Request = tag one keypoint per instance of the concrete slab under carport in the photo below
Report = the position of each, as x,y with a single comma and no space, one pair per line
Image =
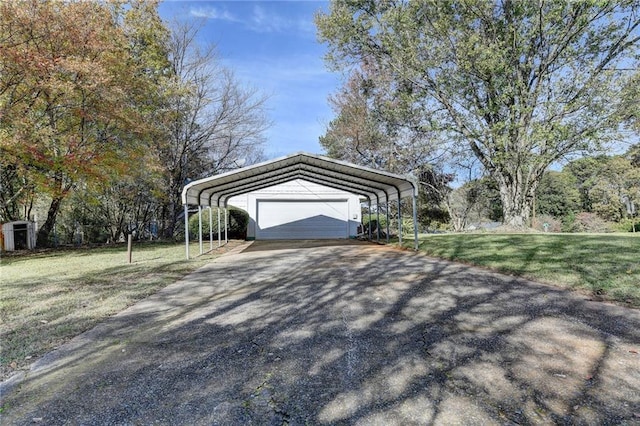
341,332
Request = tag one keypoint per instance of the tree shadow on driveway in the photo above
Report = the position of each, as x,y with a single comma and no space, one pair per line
344,334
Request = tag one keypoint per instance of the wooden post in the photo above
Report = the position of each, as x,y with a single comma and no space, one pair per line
129,238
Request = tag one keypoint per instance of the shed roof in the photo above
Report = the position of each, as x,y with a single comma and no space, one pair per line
374,184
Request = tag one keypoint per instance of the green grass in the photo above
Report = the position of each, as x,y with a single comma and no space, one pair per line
603,265
46,298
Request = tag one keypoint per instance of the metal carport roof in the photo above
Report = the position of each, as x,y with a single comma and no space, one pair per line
376,184
373,184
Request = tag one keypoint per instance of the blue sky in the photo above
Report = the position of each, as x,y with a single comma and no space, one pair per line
272,46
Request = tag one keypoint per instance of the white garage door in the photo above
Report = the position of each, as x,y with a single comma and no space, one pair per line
297,220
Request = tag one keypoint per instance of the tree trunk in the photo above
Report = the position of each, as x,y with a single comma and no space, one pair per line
516,203
170,219
171,208
45,230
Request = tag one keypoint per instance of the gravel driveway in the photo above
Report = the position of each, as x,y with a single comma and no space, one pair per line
343,333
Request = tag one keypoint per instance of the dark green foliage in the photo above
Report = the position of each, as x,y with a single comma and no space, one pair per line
557,194
585,171
238,222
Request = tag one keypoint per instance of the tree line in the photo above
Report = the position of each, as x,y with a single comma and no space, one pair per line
106,111
589,194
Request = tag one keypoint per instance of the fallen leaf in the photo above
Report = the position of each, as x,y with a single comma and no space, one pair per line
633,351
44,321
13,365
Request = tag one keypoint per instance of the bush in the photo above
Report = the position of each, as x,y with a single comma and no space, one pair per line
383,219
587,222
627,225
238,221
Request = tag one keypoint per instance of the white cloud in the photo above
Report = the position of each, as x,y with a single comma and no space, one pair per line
260,20
214,13
266,21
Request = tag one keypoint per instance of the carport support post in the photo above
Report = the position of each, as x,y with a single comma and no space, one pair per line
186,229
386,208
226,225
219,232
415,221
200,227
399,222
210,228
369,219
377,220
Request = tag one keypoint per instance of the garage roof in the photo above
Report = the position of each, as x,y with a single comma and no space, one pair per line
373,184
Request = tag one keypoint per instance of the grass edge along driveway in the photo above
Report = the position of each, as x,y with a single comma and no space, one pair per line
604,266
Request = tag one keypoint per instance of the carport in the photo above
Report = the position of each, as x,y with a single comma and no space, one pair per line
373,185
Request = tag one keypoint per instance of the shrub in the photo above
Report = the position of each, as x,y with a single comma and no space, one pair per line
627,225
590,222
238,221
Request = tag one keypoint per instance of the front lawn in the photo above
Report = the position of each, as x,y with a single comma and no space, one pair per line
46,298
606,266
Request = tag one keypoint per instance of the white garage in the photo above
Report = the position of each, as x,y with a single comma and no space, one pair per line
300,209
302,219
301,196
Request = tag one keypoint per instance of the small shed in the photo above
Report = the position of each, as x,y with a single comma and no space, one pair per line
19,235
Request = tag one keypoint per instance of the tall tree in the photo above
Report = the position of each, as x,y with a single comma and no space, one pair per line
586,171
378,128
521,84
211,121
65,87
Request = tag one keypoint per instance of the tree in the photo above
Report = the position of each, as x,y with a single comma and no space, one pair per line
66,86
633,154
629,109
210,122
607,185
379,130
618,183
521,84
586,171
376,128
354,135
558,194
